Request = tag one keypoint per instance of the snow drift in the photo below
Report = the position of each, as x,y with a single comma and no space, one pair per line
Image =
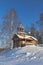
28,55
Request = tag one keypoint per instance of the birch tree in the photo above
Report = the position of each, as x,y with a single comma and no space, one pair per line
10,24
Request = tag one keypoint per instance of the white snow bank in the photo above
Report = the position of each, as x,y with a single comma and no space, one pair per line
28,55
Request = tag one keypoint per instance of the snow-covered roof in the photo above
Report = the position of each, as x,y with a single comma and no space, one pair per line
20,36
26,36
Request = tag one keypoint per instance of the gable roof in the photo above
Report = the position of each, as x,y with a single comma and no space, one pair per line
26,37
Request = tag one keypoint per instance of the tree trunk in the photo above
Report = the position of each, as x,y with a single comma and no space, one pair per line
11,43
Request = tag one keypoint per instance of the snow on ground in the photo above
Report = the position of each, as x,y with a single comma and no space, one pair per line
28,55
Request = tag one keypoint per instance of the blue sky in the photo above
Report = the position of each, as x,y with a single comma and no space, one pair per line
27,10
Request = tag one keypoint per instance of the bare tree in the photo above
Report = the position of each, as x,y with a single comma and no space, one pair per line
32,29
27,28
40,25
40,21
10,24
